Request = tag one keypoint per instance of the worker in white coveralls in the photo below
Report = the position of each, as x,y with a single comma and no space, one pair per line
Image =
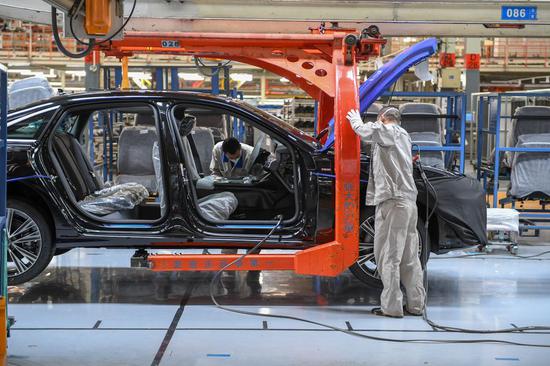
230,158
392,190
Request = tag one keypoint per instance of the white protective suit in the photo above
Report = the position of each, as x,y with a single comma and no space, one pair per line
392,189
221,166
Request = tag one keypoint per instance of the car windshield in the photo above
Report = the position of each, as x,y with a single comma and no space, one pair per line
296,132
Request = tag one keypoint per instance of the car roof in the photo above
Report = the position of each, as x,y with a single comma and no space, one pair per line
98,95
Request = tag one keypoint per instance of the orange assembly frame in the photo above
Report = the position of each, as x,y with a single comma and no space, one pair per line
323,64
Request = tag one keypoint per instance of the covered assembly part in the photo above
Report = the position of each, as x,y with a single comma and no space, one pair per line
218,206
502,219
29,90
530,170
111,199
460,204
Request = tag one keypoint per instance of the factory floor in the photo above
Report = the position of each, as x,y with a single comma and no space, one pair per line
90,308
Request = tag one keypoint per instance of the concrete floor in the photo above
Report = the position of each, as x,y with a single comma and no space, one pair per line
90,308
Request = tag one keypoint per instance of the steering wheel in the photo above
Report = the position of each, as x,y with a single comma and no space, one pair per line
271,166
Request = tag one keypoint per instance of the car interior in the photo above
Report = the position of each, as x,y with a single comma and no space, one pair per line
265,191
105,159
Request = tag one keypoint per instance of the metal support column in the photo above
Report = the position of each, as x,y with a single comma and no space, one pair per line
174,79
215,81
92,69
159,78
3,198
472,59
118,77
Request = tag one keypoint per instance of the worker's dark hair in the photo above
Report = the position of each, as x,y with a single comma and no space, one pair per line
231,145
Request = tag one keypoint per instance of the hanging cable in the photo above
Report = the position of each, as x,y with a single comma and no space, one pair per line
60,45
75,14
202,67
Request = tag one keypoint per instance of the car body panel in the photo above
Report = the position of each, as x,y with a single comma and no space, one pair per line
31,168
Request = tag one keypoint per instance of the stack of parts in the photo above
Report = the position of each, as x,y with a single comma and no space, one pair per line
502,219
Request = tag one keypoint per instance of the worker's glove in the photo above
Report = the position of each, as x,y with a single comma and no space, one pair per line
354,117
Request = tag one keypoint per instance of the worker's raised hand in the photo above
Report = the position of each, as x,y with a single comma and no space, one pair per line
354,116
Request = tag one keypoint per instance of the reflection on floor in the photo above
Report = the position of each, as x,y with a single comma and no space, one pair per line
90,308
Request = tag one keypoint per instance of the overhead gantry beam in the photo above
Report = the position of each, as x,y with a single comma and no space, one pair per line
394,18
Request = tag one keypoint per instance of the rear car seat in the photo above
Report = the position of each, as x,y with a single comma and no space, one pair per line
530,171
425,129
87,190
135,163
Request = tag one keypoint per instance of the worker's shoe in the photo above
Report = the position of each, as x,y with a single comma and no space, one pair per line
407,312
379,312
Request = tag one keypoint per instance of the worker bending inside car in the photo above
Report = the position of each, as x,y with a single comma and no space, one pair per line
230,158
392,190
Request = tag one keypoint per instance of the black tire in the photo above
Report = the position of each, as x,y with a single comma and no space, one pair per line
34,250
365,269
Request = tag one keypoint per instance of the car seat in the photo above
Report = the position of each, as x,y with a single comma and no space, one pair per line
134,162
425,127
530,171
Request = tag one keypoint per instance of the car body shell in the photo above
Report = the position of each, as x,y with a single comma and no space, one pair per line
31,177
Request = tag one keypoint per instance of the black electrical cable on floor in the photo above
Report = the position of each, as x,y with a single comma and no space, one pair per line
216,278
445,328
60,45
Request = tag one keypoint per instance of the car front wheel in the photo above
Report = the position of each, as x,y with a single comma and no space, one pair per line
30,246
365,268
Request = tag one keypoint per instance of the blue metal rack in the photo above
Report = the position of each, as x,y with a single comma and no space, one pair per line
490,109
455,121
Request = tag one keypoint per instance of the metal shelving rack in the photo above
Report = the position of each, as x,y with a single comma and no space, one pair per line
494,110
455,119
301,113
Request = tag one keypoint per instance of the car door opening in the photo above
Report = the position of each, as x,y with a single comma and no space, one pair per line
249,185
104,158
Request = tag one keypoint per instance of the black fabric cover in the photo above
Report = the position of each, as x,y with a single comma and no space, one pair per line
461,204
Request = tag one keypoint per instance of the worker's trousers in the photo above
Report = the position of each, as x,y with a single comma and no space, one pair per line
396,249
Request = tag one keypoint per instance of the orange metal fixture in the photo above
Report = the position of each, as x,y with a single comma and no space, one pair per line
98,17
324,65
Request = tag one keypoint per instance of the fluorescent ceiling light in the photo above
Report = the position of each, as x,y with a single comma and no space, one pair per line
241,77
190,76
19,63
284,80
19,71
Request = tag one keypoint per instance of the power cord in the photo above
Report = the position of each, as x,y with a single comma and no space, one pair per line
202,67
90,45
75,14
433,324
60,45
216,278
